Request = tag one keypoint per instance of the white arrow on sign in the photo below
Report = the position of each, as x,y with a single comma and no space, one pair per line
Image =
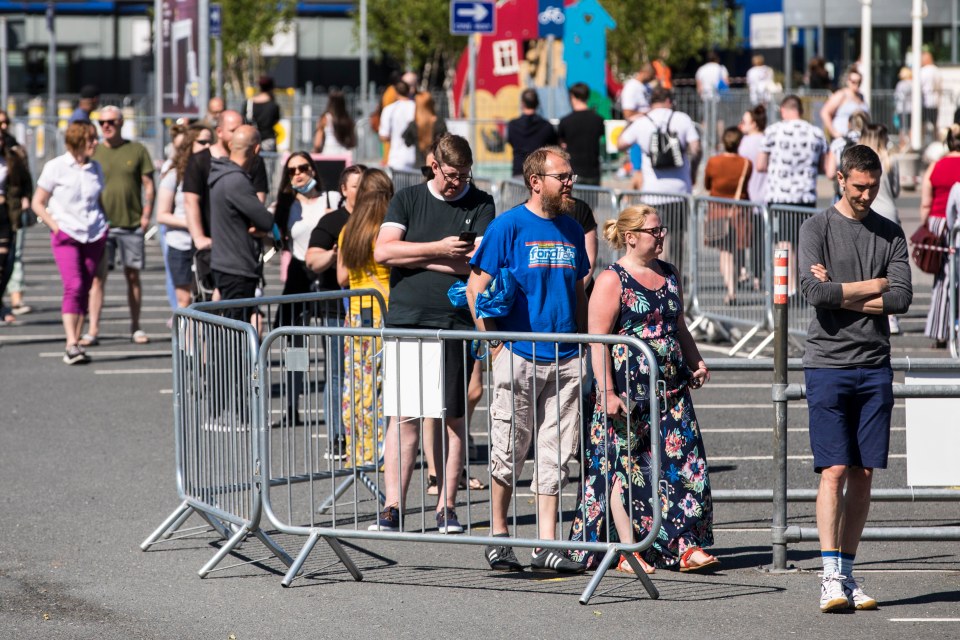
478,12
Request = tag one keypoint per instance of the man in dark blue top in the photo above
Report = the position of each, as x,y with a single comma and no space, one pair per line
536,385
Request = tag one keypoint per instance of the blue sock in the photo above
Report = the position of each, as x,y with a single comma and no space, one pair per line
831,561
846,564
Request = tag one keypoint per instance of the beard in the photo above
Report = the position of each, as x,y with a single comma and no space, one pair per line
556,203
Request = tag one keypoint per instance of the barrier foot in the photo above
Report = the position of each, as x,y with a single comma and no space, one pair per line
344,558
274,548
746,338
224,550
339,491
179,523
301,558
179,515
761,346
696,323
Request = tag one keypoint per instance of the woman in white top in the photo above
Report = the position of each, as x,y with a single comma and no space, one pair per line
172,214
844,102
336,131
67,200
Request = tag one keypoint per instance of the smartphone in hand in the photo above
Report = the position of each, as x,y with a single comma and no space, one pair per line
468,236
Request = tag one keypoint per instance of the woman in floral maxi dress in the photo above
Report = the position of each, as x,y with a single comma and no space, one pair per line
640,296
356,268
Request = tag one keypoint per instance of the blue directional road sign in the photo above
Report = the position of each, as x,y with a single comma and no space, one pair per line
473,17
216,21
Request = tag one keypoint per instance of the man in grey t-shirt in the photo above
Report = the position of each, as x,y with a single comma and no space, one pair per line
854,271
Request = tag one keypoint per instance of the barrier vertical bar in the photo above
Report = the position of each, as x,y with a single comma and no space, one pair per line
780,310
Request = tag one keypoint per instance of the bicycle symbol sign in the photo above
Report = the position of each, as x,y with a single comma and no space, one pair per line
551,15
551,18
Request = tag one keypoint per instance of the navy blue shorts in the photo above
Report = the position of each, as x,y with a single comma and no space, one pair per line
850,413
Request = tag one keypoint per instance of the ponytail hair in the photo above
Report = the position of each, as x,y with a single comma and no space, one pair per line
630,219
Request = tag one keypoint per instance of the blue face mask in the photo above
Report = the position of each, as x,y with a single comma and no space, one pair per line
305,188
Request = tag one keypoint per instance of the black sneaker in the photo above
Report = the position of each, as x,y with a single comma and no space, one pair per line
337,450
555,561
447,521
75,355
502,558
389,520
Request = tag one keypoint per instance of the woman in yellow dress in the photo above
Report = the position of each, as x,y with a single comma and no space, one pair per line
362,419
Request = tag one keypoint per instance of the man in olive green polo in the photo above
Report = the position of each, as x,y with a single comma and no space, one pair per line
128,203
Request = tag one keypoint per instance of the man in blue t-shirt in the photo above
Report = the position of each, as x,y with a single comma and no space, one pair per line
544,251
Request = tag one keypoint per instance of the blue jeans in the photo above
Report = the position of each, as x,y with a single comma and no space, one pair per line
334,384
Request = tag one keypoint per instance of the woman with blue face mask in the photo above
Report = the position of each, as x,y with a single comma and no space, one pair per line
301,203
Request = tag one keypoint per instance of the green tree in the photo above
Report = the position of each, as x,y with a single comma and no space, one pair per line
416,33
648,29
247,26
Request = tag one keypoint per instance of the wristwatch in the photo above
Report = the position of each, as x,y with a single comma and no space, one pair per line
493,344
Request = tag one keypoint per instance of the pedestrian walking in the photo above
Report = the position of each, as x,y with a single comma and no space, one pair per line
67,200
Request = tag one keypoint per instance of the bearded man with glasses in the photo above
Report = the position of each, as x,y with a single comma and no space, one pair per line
536,385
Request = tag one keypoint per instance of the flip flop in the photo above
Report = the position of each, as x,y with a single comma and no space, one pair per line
687,567
89,340
624,566
139,337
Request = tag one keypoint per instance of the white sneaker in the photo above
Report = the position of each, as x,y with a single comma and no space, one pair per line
858,599
832,595
894,325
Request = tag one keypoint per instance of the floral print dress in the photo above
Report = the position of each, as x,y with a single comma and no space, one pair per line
687,510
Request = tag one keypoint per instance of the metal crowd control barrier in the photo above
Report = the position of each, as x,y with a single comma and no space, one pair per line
490,186
675,213
730,276
216,380
782,392
512,192
215,413
403,178
293,509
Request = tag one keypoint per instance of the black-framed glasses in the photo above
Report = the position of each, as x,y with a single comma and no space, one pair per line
453,176
562,177
294,169
656,232
111,123
204,141
4,123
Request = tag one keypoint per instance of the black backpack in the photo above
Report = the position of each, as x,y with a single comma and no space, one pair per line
665,152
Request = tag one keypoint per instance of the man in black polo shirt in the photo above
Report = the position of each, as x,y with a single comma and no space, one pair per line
580,133
196,191
420,241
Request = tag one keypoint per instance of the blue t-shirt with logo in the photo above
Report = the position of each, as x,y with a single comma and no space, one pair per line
547,258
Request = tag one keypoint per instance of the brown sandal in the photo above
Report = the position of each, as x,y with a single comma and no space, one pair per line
686,566
624,566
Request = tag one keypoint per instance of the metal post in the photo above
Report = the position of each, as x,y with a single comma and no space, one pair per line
158,42
866,48
4,65
218,70
916,120
51,65
472,75
203,58
788,60
822,30
781,327
364,56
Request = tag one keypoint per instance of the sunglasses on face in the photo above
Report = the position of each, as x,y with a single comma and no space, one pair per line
108,123
4,123
294,169
656,232
204,141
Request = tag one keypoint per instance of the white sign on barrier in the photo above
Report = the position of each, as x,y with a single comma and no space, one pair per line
933,441
419,389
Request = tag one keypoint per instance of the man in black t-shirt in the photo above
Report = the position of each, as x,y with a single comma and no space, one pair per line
529,132
196,191
580,133
421,241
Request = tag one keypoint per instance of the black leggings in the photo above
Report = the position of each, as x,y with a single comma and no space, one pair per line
7,253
